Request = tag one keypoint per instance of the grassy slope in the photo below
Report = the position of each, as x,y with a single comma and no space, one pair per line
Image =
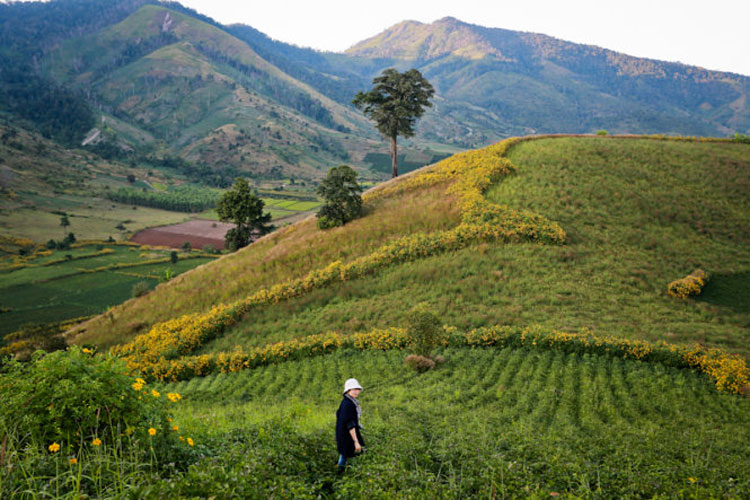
289,253
510,423
639,214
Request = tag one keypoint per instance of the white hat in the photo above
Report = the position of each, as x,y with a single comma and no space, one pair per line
351,384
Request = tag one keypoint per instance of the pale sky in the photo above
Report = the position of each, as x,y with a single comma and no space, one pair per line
714,35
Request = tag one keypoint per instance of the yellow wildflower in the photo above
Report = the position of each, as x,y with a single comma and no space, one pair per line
73,460
137,386
175,428
692,480
87,351
182,439
190,441
151,431
155,393
54,447
96,442
174,397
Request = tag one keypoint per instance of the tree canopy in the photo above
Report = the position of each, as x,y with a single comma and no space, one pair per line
342,195
244,208
395,103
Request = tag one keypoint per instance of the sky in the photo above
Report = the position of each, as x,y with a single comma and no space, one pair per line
711,34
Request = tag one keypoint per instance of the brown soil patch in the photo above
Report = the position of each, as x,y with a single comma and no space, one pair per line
198,232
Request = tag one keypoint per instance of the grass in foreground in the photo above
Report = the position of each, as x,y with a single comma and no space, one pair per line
509,423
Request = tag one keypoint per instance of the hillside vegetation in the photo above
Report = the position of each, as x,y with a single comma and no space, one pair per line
638,213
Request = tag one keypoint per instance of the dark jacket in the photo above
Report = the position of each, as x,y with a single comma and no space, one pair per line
346,418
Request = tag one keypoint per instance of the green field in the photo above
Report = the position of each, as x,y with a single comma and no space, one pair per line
489,423
48,292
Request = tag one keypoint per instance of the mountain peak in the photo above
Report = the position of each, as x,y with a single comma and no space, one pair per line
416,40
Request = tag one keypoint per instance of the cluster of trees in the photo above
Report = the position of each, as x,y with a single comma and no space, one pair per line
180,199
56,112
218,177
63,244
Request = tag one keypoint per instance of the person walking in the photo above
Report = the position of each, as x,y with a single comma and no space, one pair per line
349,440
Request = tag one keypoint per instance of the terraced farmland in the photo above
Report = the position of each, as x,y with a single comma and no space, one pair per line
489,423
55,287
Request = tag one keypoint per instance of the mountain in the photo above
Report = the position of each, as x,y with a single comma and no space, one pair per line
141,77
549,85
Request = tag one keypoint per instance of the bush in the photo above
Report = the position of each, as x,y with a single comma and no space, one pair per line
141,288
72,397
425,331
602,132
418,363
692,284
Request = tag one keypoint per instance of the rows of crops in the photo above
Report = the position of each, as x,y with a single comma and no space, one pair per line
508,422
43,293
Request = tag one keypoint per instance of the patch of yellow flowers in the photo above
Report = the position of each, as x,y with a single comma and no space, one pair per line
692,284
729,372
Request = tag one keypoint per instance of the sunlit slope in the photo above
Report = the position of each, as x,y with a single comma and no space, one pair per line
638,214
504,422
287,254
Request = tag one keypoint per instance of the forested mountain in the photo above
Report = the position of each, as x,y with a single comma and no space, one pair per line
157,78
550,85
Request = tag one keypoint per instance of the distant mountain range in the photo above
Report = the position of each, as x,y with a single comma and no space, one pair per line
158,78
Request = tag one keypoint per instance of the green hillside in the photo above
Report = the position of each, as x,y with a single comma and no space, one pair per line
638,214
197,91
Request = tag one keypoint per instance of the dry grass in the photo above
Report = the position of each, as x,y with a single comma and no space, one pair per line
287,254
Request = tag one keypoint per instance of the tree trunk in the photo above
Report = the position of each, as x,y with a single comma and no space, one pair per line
394,157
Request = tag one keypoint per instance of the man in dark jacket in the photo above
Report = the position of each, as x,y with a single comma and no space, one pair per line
348,437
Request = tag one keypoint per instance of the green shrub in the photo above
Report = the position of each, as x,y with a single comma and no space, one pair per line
743,138
425,331
141,288
342,195
602,132
73,397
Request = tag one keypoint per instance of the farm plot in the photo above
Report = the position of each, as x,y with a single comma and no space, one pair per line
197,232
488,423
54,288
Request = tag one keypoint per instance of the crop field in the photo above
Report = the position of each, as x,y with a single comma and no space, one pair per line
90,219
489,424
197,232
54,287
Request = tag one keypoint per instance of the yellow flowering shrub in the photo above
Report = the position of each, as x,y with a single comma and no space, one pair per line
730,373
692,284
